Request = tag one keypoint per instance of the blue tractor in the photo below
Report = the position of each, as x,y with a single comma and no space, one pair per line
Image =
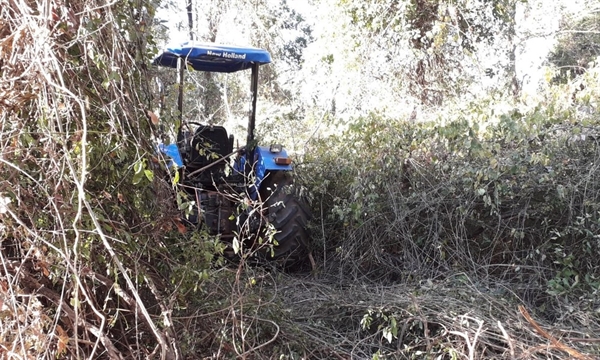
215,175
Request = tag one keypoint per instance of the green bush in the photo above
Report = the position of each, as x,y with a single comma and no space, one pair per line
508,194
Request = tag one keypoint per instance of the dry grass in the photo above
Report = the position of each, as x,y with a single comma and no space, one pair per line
319,317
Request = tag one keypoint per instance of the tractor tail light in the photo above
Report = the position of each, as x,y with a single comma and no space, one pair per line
283,160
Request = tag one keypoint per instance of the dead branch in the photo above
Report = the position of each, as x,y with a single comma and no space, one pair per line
555,343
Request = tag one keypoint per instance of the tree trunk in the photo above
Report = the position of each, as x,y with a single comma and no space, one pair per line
190,14
515,84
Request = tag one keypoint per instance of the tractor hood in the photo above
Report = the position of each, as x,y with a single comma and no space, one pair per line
213,57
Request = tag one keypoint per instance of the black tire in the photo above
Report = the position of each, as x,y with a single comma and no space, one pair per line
289,215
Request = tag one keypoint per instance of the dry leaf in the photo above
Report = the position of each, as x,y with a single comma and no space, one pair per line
153,117
44,267
63,340
166,226
180,227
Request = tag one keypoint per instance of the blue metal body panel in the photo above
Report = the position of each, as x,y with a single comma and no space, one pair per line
240,164
213,57
265,161
172,152
263,157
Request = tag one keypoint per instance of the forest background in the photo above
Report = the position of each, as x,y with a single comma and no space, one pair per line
448,151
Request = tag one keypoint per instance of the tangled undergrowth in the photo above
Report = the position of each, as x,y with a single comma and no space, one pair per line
78,244
474,237
506,195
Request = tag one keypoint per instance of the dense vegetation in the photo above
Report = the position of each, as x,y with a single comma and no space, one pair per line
459,220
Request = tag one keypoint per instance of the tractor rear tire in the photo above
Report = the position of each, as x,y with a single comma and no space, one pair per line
289,215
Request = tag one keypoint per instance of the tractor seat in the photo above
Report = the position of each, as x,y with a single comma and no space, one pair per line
209,143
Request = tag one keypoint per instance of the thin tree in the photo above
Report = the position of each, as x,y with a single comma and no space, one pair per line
190,14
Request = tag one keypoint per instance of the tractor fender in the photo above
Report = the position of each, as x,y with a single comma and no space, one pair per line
265,161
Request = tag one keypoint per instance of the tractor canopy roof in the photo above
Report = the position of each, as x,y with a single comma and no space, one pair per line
213,57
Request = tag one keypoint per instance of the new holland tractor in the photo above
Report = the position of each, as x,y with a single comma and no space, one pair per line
243,195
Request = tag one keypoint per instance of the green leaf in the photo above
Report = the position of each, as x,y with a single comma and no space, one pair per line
137,167
74,302
137,178
493,163
236,245
560,189
387,334
149,175
365,322
394,327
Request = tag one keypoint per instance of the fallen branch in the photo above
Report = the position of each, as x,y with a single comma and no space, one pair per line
508,340
555,343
